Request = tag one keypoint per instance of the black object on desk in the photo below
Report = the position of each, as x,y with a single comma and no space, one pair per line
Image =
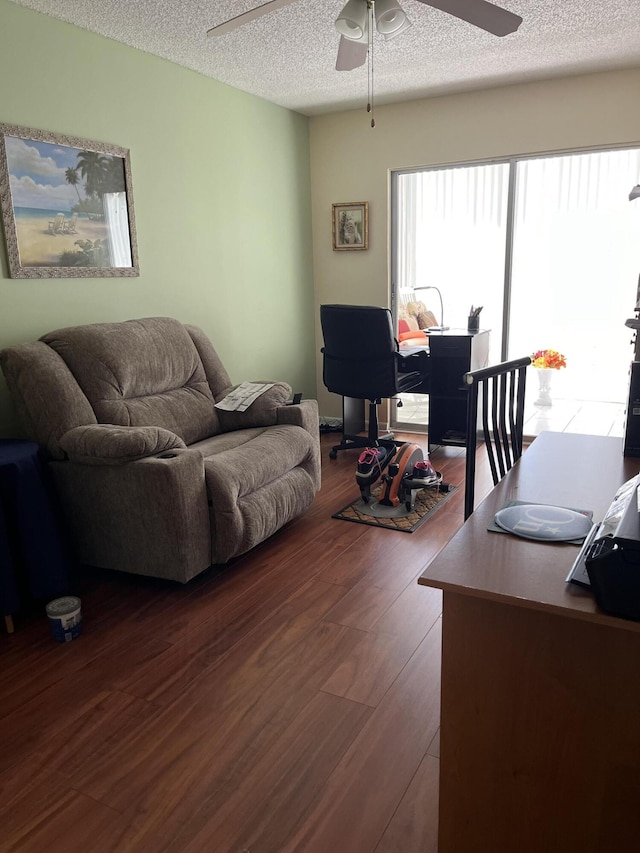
33,556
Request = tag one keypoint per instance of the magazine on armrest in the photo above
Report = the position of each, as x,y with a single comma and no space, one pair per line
243,396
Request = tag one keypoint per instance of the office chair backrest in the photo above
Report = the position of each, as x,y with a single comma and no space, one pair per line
501,389
360,351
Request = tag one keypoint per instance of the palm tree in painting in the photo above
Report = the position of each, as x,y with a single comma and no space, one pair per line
72,178
93,167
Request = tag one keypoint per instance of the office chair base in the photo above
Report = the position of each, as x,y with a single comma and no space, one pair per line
355,442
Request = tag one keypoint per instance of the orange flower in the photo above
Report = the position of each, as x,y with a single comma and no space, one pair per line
548,359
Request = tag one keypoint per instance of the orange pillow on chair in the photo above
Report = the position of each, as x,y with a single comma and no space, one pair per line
419,336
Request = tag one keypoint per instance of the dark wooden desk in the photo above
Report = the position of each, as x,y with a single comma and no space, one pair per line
452,354
540,732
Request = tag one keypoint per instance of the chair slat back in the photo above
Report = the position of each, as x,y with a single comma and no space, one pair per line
502,389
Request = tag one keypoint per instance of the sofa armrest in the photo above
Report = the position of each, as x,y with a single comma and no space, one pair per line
108,444
262,412
304,414
149,516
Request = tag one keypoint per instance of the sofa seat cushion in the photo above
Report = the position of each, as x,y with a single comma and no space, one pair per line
257,480
226,441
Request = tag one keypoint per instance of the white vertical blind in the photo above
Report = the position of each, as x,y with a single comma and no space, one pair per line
576,259
451,234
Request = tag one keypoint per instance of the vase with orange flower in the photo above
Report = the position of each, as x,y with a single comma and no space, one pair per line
546,361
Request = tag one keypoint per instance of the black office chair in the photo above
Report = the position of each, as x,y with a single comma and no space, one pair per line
361,360
501,388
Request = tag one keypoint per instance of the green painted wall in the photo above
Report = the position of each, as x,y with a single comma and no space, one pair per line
222,200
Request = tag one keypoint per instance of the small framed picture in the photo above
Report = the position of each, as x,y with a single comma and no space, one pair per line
350,226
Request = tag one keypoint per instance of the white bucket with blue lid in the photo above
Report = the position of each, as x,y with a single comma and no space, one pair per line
65,618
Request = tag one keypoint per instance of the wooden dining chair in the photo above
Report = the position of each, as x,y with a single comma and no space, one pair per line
499,391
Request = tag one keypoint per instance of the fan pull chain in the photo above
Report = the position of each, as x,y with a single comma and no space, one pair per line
370,65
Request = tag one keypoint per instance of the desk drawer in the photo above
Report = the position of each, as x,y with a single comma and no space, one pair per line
453,347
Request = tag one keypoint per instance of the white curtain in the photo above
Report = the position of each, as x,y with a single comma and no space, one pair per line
576,259
451,232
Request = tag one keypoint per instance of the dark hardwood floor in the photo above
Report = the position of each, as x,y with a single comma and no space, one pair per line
289,702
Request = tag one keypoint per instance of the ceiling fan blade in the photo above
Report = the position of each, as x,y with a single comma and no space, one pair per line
251,15
351,54
487,16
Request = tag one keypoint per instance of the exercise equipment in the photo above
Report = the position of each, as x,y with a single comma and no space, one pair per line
403,470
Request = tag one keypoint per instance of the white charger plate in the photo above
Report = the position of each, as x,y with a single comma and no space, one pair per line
543,523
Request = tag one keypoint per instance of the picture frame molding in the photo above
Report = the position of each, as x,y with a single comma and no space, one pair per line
16,268
362,207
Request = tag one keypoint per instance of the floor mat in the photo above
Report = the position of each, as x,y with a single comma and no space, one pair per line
428,501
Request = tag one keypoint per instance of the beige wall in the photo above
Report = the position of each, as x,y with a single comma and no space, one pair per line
352,162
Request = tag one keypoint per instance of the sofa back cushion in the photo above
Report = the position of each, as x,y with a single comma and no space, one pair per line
140,373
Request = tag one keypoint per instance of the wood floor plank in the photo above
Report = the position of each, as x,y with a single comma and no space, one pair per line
86,741
412,613
362,606
434,746
161,784
45,815
195,759
367,674
191,662
267,807
414,826
351,565
67,700
354,811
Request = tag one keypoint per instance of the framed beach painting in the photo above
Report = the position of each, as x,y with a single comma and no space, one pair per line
66,205
350,226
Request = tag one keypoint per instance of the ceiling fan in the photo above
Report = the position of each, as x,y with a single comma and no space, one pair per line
390,20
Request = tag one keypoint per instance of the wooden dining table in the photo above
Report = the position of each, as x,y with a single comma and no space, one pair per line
540,703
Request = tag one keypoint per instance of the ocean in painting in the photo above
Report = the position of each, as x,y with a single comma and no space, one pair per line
40,213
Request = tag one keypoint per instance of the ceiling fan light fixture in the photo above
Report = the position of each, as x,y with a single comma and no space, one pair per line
405,26
352,21
390,18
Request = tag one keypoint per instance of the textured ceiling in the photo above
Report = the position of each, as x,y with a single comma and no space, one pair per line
288,56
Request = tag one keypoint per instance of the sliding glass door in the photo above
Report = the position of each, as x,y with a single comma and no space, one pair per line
449,241
549,247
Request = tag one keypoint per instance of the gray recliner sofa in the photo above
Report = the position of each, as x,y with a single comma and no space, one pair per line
153,478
